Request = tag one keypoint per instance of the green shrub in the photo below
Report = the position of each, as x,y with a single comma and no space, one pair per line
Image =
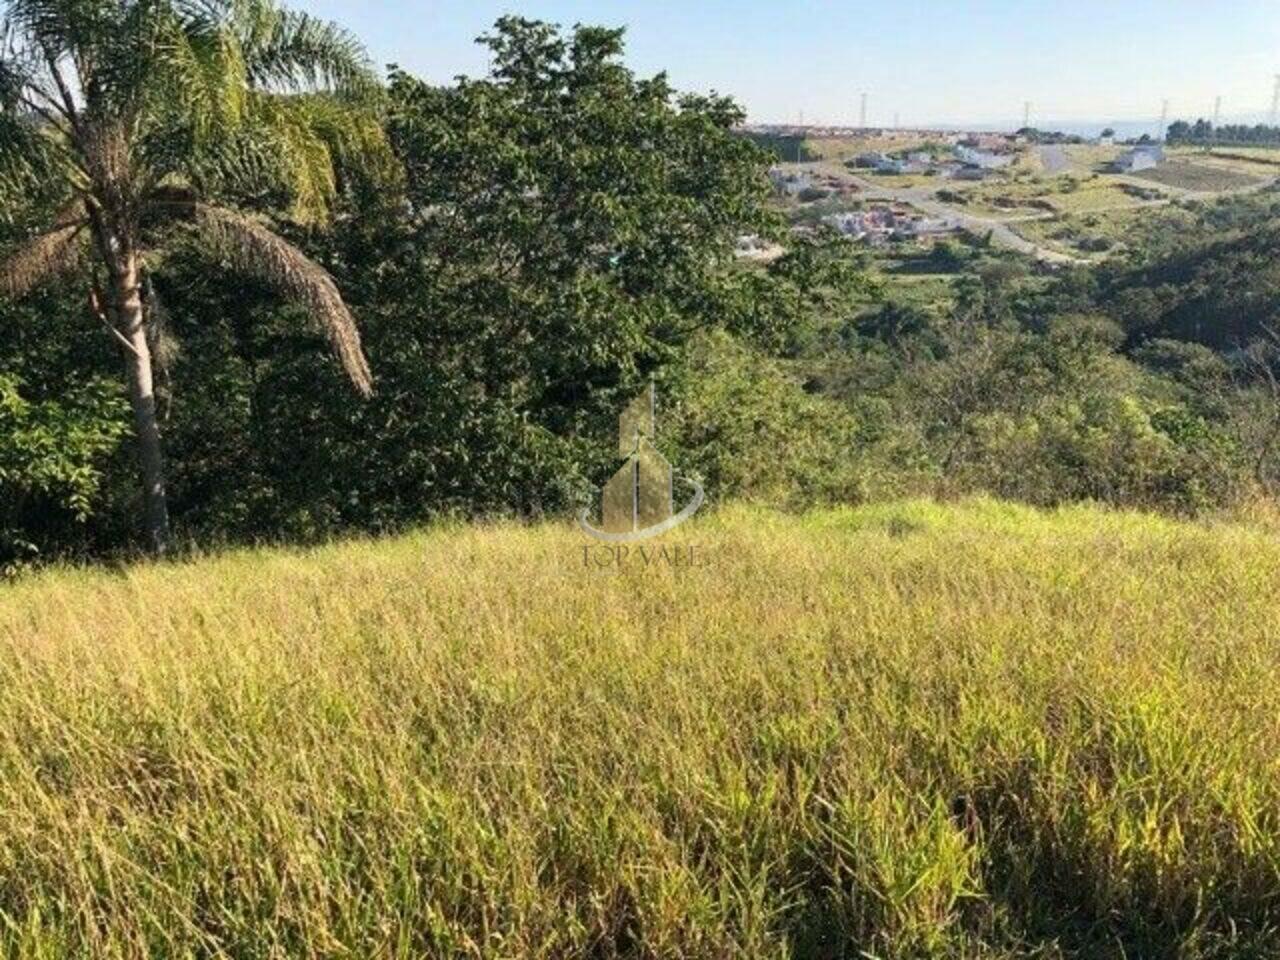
747,427
52,454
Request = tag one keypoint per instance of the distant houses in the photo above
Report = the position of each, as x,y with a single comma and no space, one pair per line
918,162
985,159
988,142
790,182
1142,157
879,224
962,162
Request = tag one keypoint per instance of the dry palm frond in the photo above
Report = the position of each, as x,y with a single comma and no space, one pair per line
165,347
260,253
45,256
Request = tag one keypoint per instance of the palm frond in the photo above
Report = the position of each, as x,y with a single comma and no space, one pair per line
291,152
285,140
305,143
288,50
26,158
63,26
45,256
167,60
33,137
259,252
199,70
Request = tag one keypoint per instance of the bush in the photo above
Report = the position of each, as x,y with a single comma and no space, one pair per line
52,454
739,421
1106,448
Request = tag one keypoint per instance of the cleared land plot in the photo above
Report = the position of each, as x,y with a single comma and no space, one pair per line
1251,158
1089,158
1097,233
1045,197
1093,195
1200,177
896,181
843,148
922,289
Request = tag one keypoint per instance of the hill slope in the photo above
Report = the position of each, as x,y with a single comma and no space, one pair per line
966,731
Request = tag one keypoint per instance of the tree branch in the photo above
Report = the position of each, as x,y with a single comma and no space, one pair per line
69,103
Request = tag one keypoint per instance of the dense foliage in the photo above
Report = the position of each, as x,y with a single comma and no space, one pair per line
543,242
524,251
1205,132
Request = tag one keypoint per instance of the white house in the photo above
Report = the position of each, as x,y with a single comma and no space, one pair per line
1142,157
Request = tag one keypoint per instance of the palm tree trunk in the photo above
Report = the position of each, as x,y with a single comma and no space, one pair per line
129,317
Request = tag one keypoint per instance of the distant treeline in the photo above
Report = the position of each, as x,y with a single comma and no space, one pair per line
1238,134
1032,135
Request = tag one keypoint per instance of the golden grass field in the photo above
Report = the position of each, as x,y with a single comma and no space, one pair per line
972,730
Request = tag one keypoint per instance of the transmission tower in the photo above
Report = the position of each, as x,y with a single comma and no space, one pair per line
1275,102
862,115
1026,115
1164,120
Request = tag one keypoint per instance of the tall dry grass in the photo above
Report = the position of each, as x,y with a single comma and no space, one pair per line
914,730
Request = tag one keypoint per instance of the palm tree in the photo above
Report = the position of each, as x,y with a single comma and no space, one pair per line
139,121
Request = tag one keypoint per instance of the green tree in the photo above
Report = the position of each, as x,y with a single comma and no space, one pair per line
123,120
51,454
566,228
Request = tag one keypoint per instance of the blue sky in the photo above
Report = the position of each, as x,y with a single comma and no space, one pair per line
930,62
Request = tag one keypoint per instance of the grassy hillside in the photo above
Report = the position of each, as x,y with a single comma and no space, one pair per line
916,730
